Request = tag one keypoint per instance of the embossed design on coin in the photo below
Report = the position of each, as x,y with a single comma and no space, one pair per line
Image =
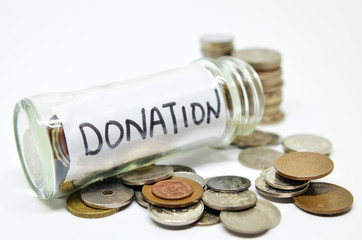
270,210
325,199
228,183
76,207
172,189
264,189
230,201
209,217
107,194
192,176
192,199
250,221
307,143
272,178
303,165
176,216
147,175
258,157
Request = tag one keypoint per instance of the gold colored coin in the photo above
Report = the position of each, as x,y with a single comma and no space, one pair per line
325,199
275,118
76,207
265,75
303,165
184,202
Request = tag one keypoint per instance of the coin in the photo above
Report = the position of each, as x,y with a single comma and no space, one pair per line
195,196
258,157
256,138
107,194
265,75
325,199
172,189
270,210
76,207
228,183
260,59
276,139
230,201
192,176
182,168
209,217
303,165
273,88
275,118
147,175
250,221
307,143
216,45
176,216
140,200
273,179
264,189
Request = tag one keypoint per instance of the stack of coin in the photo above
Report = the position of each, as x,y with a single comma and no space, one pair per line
266,63
216,45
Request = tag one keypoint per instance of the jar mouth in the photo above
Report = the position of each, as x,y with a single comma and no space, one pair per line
34,150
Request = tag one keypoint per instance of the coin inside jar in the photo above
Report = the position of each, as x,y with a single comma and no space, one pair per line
172,189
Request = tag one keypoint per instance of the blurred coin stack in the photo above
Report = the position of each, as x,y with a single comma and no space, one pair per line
267,63
216,45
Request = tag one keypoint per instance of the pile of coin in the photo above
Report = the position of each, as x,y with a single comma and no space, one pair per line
176,196
216,45
290,175
266,63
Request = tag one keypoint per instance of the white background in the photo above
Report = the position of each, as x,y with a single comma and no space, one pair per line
48,46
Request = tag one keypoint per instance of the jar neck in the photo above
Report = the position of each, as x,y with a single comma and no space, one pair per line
243,94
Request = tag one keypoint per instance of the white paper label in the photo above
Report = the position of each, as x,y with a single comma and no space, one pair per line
133,119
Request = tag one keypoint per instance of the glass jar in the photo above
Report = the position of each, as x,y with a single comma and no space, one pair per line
68,140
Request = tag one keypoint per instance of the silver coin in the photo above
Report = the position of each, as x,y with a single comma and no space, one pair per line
182,168
228,183
140,200
147,175
176,216
259,157
229,201
273,179
264,189
251,221
307,143
209,217
107,194
270,210
197,178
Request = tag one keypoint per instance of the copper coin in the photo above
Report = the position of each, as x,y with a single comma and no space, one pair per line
303,165
325,199
172,189
192,199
